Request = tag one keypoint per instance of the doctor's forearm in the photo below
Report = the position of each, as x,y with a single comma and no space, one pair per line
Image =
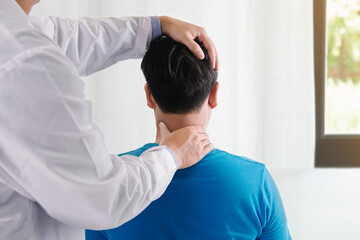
89,201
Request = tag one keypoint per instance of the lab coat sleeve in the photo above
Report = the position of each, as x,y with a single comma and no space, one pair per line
95,44
53,154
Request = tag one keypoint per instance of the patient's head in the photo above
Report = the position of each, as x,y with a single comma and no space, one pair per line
180,88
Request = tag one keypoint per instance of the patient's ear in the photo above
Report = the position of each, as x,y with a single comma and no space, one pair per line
213,96
149,98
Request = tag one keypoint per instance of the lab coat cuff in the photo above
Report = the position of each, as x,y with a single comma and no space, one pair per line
143,37
174,157
155,27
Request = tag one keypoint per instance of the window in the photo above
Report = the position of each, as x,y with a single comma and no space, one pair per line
337,82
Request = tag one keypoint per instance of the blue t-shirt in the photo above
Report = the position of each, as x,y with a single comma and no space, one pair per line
222,197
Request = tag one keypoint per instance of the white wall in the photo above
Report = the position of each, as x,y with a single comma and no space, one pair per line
320,203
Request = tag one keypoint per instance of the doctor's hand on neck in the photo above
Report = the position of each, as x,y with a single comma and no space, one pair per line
27,5
189,144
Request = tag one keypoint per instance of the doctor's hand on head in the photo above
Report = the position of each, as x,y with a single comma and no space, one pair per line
189,144
186,33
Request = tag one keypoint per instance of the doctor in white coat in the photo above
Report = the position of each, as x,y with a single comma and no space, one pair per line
56,175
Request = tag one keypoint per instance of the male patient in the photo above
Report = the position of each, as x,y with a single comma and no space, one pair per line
223,196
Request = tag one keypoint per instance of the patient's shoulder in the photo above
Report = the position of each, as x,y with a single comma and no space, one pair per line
224,158
222,172
231,167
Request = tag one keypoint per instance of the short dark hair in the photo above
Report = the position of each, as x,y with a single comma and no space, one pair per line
177,79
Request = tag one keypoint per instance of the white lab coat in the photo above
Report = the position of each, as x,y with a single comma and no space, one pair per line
56,175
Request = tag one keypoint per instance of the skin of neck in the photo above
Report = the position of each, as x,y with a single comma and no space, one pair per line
27,5
177,121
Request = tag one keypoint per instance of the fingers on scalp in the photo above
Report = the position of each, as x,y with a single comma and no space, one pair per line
208,44
194,47
198,52
210,47
216,61
213,57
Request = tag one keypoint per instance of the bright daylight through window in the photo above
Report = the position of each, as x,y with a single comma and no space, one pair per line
342,94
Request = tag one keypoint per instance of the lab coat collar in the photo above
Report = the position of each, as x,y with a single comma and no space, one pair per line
12,14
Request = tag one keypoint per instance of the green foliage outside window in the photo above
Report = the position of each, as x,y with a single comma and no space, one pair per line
343,40
342,103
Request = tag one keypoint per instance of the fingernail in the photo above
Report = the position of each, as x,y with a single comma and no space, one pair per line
161,124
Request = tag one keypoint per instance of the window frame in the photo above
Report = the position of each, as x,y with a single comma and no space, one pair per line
332,150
